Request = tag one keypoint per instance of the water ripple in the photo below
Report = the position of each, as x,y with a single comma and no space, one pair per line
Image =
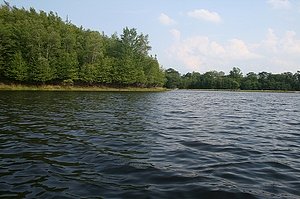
178,144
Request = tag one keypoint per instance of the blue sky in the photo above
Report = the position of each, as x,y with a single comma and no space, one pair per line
198,35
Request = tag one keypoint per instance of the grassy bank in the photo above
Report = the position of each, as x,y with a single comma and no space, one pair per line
20,87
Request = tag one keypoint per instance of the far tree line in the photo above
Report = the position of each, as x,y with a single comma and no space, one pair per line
233,81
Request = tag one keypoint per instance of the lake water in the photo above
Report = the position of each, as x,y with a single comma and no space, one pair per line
177,144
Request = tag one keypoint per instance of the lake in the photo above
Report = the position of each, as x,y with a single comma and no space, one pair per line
177,144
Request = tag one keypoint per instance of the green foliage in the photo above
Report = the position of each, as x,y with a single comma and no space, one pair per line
67,66
88,73
41,71
296,82
17,69
236,74
250,82
154,75
234,81
38,47
173,79
134,42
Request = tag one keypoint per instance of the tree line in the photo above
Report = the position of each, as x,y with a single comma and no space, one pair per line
233,81
38,47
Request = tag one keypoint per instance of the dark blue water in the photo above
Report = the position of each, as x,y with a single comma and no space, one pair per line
178,144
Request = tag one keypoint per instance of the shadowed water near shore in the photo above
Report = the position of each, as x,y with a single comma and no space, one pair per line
178,144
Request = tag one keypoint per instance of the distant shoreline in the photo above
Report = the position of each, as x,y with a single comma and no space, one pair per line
246,91
21,87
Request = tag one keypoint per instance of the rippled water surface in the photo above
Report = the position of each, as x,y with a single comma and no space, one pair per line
178,144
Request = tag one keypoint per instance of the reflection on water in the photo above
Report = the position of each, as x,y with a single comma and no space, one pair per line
179,144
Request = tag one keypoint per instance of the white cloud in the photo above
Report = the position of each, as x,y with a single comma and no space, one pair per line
280,4
218,49
237,49
166,20
288,44
271,41
206,15
272,54
175,34
200,52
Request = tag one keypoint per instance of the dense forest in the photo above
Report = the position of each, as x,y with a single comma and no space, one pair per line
39,48
234,80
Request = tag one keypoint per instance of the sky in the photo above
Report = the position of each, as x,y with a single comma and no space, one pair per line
197,35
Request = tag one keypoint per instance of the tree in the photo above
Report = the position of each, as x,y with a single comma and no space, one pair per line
154,76
250,82
7,42
18,68
264,80
134,50
210,79
236,73
67,67
41,71
173,79
88,73
93,47
137,43
296,85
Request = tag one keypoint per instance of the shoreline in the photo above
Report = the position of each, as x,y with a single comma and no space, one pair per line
245,91
20,87
49,87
